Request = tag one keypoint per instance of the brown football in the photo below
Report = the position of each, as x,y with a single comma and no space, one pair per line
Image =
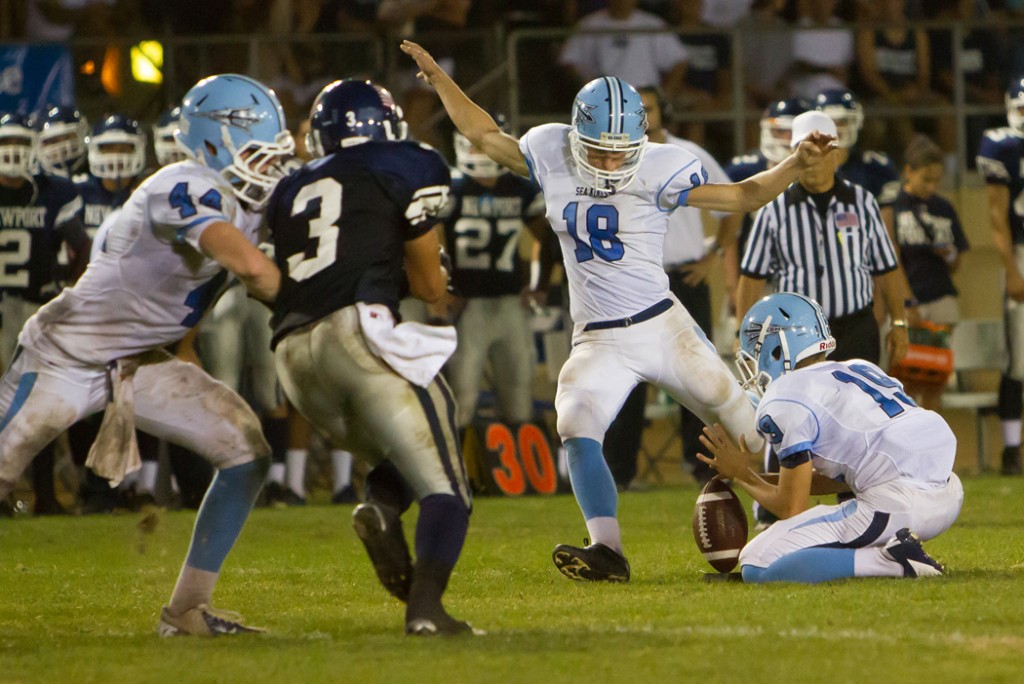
719,525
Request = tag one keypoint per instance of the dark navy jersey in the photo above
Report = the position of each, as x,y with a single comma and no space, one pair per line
924,229
482,228
98,202
34,223
874,172
740,168
339,227
1001,161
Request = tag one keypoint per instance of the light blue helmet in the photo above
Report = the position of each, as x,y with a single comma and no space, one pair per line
608,116
235,125
777,333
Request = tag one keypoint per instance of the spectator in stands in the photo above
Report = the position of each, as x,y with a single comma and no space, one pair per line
637,58
767,54
894,65
930,241
708,83
822,51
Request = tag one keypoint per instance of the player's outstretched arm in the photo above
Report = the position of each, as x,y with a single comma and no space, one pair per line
760,189
472,121
226,245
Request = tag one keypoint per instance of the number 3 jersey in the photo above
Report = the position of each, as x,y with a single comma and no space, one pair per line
340,225
612,242
482,229
858,425
151,283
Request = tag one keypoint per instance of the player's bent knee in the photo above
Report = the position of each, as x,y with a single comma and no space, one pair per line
579,418
753,574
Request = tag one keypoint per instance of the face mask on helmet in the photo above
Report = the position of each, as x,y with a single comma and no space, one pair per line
235,126
165,145
62,134
777,128
351,112
472,162
117,149
609,126
17,147
1015,105
847,113
777,333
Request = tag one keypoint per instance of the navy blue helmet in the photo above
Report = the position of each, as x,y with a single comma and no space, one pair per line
117,148
842,106
62,132
165,145
350,112
1015,104
777,127
17,145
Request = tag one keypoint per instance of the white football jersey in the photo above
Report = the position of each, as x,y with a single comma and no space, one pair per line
858,424
150,283
611,242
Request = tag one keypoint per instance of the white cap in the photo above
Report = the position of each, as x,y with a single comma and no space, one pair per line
808,122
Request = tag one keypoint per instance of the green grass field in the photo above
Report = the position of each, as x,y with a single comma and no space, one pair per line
79,599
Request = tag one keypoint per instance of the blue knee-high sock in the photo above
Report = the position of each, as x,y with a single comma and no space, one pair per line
808,566
223,512
592,481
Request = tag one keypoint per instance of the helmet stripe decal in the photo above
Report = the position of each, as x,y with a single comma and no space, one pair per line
614,104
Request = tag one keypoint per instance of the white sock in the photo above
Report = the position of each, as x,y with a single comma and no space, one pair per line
871,562
604,529
341,462
174,485
1011,433
296,460
194,588
129,481
147,476
563,464
276,473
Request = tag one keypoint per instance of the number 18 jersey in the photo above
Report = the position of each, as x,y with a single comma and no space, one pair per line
858,425
151,283
612,242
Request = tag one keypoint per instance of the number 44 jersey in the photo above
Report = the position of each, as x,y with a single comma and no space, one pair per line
612,242
340,225
858,426
151,283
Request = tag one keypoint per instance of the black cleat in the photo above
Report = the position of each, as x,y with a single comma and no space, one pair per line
345,495
594,563
1011,461
440,625
905,548
379,527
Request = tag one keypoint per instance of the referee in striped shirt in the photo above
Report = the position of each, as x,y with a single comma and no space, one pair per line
824,238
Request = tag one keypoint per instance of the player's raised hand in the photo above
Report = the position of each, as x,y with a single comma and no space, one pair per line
429,70
815,147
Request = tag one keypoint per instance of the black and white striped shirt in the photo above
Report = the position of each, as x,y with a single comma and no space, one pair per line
831,261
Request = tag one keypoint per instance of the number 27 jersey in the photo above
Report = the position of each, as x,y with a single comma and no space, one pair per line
612,243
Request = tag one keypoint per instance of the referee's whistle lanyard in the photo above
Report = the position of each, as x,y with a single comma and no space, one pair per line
824,223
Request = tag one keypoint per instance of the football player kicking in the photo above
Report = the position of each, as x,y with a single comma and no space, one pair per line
609,194
353,232
175,241
836,426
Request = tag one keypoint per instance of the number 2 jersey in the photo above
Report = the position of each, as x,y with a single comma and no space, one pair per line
1001,162
612,242
340,224
35,220
858,426
151,283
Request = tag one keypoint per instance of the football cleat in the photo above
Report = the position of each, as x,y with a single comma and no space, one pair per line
379,527
594,563
440,625
1011,461
345,495
905,548
203,621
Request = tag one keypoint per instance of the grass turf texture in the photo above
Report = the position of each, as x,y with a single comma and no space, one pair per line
79,601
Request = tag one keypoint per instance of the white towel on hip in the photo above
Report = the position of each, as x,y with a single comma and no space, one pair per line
413,350
115,453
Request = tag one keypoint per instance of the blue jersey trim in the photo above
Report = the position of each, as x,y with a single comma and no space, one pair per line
817,424
844,512
793,451
681,201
